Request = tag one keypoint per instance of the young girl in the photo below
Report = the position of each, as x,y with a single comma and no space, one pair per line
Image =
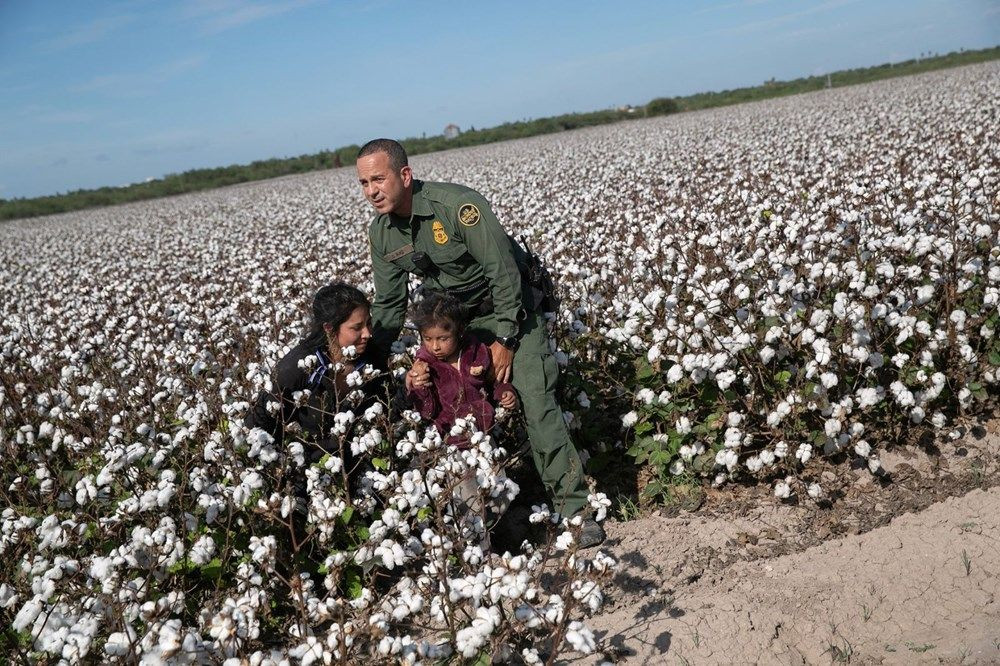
459,368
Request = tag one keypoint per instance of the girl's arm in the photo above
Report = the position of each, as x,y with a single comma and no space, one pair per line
500,389
425,398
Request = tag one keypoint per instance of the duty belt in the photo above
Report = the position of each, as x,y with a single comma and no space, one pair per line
485,307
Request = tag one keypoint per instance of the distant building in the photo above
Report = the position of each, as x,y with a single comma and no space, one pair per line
451,131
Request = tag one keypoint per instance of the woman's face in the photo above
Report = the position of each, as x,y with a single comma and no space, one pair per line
356,331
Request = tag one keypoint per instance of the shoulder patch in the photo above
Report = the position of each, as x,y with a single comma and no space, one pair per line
468,215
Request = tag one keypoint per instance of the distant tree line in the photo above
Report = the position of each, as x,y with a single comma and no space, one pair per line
204,179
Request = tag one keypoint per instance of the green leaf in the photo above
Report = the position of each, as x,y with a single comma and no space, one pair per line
643,427
352,577
783,377
643,369
380,463
652,489
179,567
423,513
703,462
484,659
213,569
345,517
994,358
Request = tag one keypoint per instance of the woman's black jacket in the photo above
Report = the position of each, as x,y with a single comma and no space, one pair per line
314,415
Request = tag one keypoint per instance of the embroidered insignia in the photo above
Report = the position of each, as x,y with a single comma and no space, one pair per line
401,252
468,215
440,237
476,370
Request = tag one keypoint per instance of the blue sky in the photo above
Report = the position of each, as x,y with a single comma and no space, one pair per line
108,93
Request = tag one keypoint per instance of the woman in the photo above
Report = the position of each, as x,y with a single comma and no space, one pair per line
335,347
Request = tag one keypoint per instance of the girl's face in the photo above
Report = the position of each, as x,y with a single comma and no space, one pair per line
356,331
440,342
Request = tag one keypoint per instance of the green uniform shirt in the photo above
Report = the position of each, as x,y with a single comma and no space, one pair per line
473,257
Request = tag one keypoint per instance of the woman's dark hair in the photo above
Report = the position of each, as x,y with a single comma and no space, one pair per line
333,304
440,309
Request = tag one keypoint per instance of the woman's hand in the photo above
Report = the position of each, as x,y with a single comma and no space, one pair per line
508,400
418,376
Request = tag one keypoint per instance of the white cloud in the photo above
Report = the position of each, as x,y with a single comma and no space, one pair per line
88,33
773,21
138,83
215,16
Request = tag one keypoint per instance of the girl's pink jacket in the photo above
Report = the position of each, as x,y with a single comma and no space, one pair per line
458,392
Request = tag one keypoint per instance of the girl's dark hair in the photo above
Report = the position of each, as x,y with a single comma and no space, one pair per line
440,309
333,304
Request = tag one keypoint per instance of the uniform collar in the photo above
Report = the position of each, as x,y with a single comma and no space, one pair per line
419,207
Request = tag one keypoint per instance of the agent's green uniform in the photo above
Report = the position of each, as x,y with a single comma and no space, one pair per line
475,259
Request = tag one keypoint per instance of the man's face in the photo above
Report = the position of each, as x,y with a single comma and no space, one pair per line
388,191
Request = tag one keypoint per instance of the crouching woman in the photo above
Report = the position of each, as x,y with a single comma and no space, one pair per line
316,379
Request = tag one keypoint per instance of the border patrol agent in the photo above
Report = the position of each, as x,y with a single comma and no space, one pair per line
448,234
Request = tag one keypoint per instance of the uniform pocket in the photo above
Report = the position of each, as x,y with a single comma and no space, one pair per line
448,253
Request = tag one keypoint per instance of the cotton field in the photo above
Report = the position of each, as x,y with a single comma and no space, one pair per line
744,291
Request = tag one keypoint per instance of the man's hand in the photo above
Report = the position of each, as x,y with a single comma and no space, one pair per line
503,361
508,400
418,376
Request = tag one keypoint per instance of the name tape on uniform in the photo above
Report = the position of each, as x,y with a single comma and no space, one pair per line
401,252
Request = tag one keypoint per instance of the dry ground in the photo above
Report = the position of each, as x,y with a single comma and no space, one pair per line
902,571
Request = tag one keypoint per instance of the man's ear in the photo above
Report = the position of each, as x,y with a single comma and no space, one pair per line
406,173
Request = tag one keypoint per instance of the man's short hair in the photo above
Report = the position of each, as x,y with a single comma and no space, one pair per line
395,151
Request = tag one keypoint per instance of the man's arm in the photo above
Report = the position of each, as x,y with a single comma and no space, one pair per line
490,245
389,307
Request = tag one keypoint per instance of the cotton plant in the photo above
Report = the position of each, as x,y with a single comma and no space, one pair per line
235,558
786,285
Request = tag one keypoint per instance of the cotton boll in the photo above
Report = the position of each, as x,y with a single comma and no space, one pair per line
725,379
580,637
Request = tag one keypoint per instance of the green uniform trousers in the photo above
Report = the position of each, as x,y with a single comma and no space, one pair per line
535,373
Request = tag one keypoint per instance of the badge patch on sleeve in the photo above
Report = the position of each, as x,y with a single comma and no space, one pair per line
440,237
468,215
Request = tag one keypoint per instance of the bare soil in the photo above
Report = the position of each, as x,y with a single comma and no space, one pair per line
903,569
